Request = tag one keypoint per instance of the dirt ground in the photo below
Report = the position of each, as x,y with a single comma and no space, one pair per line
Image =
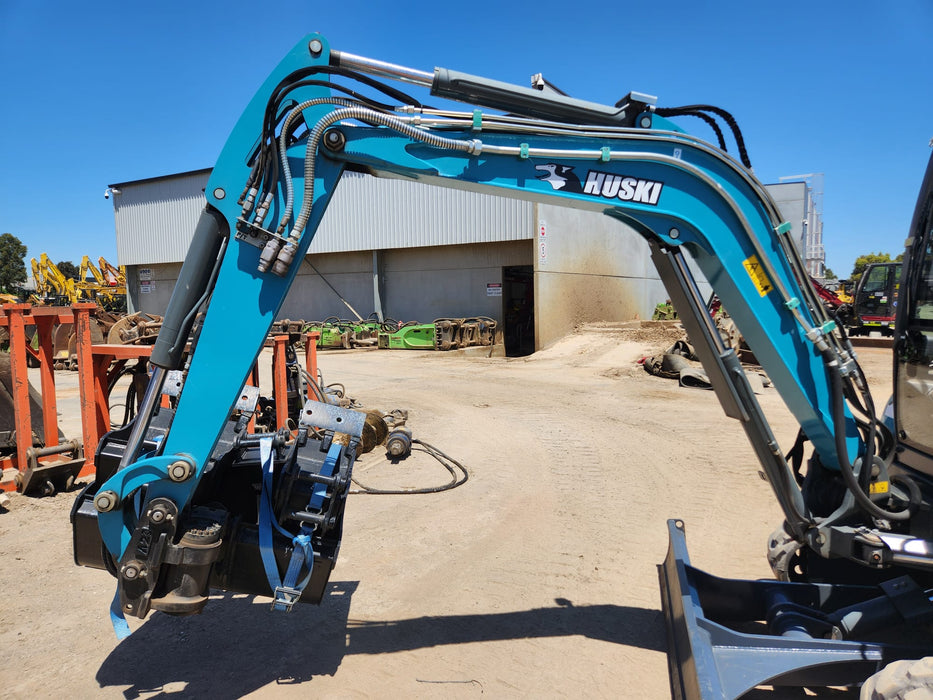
537,578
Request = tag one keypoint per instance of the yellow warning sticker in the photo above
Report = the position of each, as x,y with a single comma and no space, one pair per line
758,275
878,487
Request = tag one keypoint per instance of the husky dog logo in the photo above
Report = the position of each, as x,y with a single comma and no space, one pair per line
601,184
560,177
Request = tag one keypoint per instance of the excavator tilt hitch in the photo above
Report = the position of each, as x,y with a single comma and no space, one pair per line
727,636
169,564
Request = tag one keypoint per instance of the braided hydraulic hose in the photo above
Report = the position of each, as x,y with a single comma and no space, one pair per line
283,256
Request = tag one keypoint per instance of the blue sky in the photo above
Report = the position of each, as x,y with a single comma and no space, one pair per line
96,93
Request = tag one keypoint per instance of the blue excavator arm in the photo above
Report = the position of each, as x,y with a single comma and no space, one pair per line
265,198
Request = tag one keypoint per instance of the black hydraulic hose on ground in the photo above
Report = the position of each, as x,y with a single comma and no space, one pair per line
459,475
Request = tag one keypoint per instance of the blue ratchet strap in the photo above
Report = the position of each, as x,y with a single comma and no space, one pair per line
120,626
286,593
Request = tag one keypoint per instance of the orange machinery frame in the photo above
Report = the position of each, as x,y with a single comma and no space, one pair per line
97,365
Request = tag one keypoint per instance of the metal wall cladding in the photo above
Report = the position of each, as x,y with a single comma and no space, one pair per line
155,219
368,213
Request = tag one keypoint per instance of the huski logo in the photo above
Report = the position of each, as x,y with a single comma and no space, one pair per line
602,184
628,189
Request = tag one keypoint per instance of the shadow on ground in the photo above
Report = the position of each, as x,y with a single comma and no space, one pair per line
238,645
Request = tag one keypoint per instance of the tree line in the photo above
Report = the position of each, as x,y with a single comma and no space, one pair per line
863,261
13,274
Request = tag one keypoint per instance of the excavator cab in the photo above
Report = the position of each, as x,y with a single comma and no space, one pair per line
913,351
875,302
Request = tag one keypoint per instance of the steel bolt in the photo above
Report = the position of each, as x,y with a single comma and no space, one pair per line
106,501
645,122
219,192
180,471
335,140
674,233
315,47
157,515
130,572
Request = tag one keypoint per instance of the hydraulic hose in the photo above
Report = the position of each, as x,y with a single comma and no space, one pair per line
845,467
458,475
281,254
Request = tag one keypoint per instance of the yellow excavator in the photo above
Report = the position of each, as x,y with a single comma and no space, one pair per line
52,286
108,287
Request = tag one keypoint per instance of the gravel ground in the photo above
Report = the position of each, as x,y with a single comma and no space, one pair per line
537,578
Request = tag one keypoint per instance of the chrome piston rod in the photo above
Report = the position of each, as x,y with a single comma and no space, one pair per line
147,407
381,68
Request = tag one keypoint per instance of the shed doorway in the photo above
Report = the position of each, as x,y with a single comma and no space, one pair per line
518,303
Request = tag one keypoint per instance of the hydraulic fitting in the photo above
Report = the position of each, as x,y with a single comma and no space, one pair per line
262,210
398,444
250,198
284,259
268,254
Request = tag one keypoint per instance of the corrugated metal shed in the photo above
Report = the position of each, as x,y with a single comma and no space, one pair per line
369,213
156,218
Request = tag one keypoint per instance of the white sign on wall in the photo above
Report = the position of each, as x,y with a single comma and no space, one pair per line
145,273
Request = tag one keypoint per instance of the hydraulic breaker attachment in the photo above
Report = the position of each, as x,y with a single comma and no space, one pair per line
443,334
727,636
417,337
344,334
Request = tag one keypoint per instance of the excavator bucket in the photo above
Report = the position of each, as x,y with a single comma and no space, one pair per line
7,414
135,329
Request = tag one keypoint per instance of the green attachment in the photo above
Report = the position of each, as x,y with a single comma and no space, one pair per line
784,228
523,151
605,154
829,327
329,336
792,303
419,337
477,120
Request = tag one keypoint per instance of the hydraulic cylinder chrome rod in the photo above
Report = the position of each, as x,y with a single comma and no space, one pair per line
381,68
144,416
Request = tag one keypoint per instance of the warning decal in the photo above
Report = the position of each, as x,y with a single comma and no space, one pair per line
758,275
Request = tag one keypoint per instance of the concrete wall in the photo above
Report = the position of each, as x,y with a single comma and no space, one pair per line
159,281
349,273
418,284
450,281
589,267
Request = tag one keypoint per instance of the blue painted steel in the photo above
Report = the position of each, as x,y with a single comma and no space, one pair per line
705,198
705,202
242,296
113,526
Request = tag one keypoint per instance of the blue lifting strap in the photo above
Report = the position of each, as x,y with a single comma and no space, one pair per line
287,592
120,626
